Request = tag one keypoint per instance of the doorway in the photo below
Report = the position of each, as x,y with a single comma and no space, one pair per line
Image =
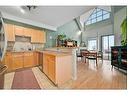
107,42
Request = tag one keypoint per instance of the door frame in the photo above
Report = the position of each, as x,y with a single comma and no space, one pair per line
108,41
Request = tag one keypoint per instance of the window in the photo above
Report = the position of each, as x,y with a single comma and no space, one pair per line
92,44
98,15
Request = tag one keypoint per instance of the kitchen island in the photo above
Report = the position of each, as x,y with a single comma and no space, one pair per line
57,66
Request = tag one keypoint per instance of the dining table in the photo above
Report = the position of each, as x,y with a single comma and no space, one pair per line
89,55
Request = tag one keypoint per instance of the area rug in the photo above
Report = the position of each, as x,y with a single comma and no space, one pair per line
25,79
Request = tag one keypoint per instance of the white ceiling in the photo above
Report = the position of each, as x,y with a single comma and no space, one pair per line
51,15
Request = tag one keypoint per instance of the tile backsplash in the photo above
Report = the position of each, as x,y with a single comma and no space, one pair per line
22,46
25,46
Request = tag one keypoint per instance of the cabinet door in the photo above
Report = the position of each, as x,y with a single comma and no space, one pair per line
28,59
8,61
41,36
17,61
51,68
33,36
40,59
19,30
36,58
45,64
27,32
9,29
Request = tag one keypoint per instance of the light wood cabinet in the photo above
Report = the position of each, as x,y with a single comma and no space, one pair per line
28,59
42,37
51,67
37,36
8,61
55,67
36,58
33,36
17,61
9,29
45,64
40,58
27,32
19,30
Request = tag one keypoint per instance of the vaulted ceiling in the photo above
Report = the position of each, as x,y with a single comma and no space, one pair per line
51,15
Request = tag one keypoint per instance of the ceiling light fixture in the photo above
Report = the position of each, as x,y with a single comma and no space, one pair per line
31,7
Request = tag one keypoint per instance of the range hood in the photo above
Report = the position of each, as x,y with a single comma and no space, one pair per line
3,38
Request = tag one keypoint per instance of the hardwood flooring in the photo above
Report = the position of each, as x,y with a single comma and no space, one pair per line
102,76
89,75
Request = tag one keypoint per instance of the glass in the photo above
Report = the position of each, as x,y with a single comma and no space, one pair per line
106,16
88,22
107,42
93,15
93,20
105,12
92,44
99,13
99,18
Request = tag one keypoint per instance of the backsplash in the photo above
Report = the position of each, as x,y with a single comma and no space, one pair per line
23,46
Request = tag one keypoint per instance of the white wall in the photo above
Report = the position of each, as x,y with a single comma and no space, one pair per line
119,16
97,30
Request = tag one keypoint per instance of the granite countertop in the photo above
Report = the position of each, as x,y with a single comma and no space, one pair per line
55,53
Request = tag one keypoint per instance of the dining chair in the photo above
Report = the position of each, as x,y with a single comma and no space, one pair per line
100,55
79,54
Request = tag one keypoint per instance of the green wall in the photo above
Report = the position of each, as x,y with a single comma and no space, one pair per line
71,31
50,38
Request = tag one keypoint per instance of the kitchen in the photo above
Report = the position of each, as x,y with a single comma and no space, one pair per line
24,49
40,49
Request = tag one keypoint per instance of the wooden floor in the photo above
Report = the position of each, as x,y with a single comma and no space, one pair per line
102,76
90,76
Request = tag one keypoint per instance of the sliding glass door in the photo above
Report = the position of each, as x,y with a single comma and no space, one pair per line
92,44
107,42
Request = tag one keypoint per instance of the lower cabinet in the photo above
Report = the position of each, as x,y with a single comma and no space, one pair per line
45,64
8,61
17,59
36,58
40,58
51,70
57,68
28,59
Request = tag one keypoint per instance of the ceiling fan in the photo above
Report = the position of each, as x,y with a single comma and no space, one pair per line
29,7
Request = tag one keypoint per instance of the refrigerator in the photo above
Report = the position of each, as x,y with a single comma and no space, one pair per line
3,38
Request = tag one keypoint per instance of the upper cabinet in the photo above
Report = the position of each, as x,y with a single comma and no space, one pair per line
43,36
27,32
37,36
9,29
19,30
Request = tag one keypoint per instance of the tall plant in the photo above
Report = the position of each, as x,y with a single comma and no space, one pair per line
124,32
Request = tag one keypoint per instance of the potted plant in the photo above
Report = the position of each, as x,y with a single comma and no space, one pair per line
61,37
124,32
